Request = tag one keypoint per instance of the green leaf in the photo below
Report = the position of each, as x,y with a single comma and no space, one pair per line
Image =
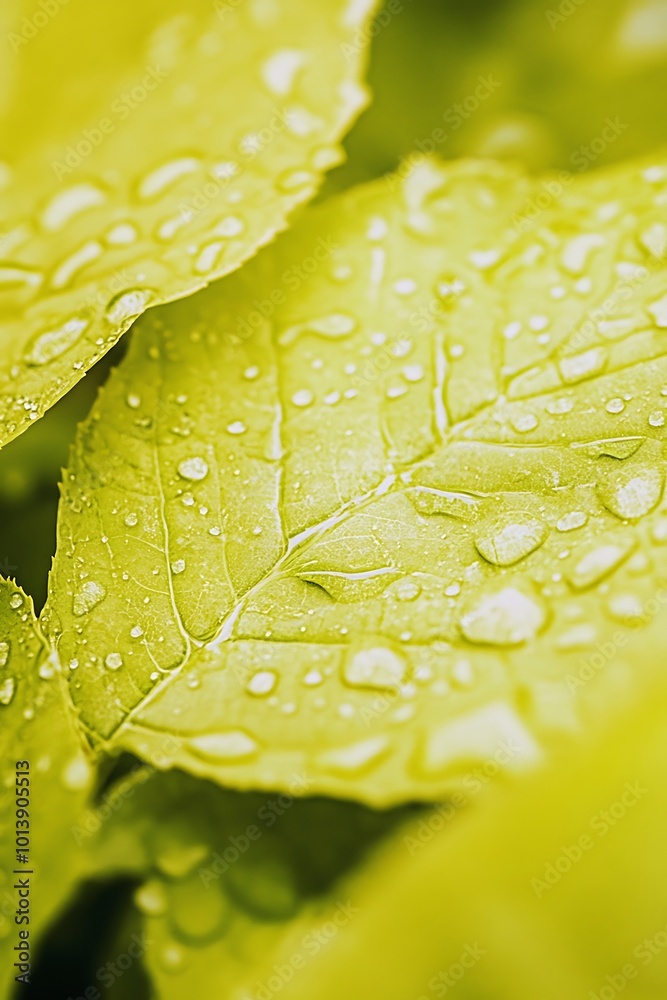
371,515
35,729
162,155
547,889
226,876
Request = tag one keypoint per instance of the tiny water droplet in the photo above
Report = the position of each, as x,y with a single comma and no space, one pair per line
114,661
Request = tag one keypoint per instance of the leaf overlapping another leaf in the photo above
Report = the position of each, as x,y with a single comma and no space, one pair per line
36,729
157,158
376,515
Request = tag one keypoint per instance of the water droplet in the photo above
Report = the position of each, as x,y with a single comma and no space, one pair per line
509,537
77,773
70,202
114,661
133,401
657,418
632,492
407,589
658,311
90,594
122,235
524,422
178,566
51,343
128,305
158,180
574,519
292,181
355,757
504,615
375,667
279,70
151,898
7,689
262,683
626,608
4,654
233,744
236,427
251,372
615,405
193,468
333,326
302,398
136,631
15,601
598,560
577,367
131,520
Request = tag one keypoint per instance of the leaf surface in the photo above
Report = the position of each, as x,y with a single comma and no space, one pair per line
374,512
173,145
35,728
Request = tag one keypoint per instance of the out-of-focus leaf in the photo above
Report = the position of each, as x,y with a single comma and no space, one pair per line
225,876
375,521
534,83
147,149
548,890
37,740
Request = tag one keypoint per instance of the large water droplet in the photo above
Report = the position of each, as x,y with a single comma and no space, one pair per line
504,615
509,537
7,689
232,744
128,305
195,468
375,666
51,343
597,560
632,492
90,594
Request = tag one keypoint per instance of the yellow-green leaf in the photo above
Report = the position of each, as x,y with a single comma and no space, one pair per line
45,780
150,148
388,499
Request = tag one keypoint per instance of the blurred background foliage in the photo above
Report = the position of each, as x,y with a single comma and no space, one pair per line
555,71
